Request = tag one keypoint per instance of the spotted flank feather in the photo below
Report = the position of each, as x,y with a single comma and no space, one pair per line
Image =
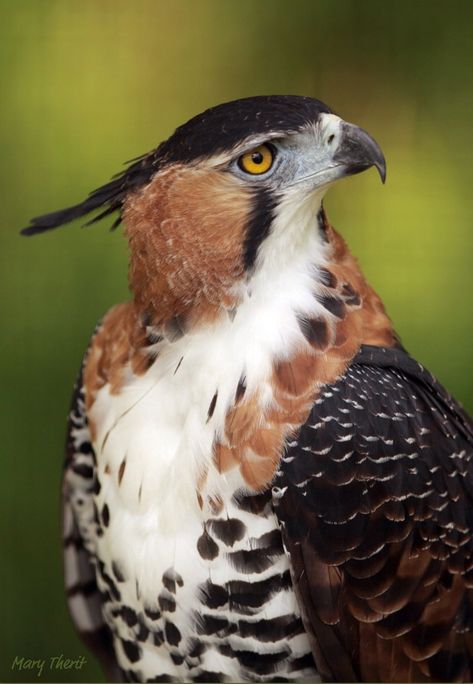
375,497
83,596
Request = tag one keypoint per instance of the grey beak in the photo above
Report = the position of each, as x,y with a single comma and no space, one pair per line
357,151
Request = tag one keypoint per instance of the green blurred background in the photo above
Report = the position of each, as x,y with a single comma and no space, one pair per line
88,84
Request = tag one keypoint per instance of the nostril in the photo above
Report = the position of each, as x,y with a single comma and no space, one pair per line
331,138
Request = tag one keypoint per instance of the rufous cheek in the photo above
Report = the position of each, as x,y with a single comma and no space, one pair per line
186,231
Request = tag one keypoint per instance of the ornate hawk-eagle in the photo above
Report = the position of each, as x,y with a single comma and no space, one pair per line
260,483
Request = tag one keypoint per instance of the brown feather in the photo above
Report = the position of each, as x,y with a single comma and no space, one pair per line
186,232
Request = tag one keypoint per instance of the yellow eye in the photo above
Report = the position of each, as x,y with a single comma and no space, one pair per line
258,161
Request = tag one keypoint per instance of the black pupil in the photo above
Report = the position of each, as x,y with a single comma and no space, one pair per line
257,157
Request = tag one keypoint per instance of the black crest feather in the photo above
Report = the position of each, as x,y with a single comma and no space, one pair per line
110,196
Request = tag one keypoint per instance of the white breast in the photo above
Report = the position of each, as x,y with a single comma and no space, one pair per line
156,434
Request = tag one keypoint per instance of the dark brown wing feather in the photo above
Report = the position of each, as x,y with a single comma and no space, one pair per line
375,499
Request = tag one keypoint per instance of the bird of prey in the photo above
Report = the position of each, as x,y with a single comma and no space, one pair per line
260,483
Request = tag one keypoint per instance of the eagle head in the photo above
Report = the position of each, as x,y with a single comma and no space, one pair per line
236,187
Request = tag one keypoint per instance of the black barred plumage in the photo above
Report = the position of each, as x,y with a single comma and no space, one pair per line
237,607
83,595
260,484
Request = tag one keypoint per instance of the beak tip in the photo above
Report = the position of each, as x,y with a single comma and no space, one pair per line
381,166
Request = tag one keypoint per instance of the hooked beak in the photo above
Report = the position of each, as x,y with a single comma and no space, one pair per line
341,149
358,151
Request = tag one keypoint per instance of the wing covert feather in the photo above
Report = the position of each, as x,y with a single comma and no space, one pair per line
375,500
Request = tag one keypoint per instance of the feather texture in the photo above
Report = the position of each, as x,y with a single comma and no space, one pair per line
375,501
84,598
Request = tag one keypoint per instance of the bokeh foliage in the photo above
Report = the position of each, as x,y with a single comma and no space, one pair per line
87,84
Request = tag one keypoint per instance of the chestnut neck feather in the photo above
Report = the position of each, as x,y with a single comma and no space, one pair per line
186,254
